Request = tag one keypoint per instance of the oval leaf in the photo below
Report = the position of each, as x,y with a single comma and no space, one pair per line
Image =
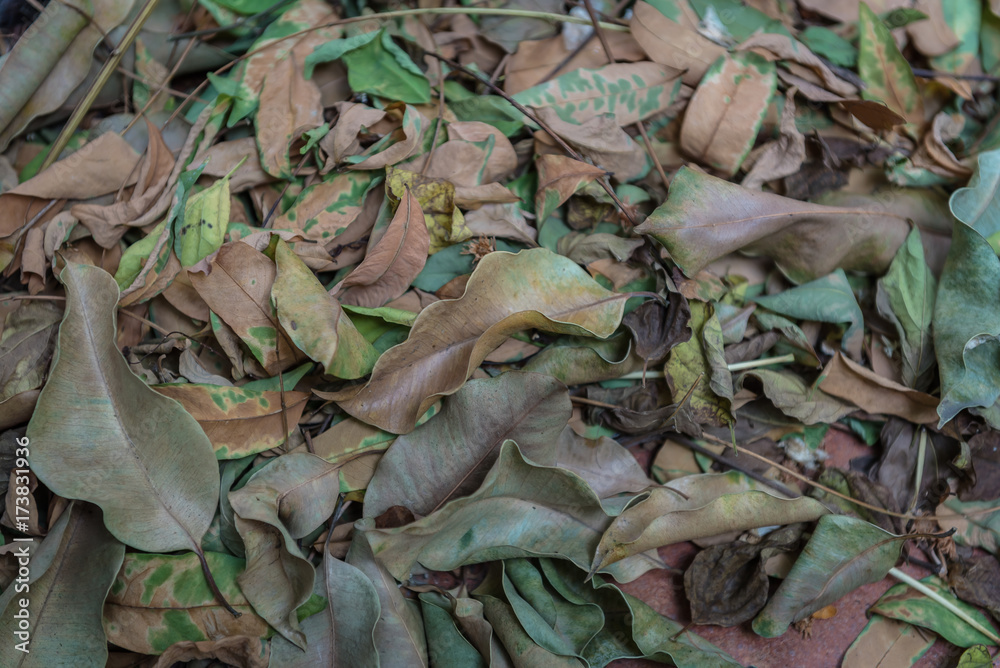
102,435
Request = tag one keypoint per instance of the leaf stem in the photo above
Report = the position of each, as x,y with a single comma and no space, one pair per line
934,596
214,587
767,361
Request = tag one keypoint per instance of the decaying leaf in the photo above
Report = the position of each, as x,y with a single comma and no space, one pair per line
450,338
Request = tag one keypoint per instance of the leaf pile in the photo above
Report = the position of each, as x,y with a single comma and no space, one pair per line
351,334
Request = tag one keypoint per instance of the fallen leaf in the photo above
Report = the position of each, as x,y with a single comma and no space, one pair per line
705,218
896,643
161,599
314,321
695,507
450,338
854,383
559,177
162,492
674,40
886,73
68,574
280,504
842,554
727,110
567,519
239,421
236,284
630,91
466,437
392,264
904,603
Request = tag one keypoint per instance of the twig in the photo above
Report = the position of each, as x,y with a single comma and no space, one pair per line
638,124
102,78
948,605
934,74
767,361
833,492
727,461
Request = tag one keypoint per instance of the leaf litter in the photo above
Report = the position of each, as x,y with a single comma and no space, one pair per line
367,334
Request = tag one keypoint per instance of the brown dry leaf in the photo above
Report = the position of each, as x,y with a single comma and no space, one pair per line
602,140
676,45
342,140
408,138
325,210
393,263
223,157
241,651
507,293
107,223
864,388
560,176
933,37
535,60
100,167
706,218
783,156
183,297
503,221
875,115
236,285
498,156
727,109
934,154
289,105
783,47
239,422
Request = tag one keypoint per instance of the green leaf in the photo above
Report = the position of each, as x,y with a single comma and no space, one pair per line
906,604
160,599
343,632
161,493
843,554
315,322
450,455
446,646
697,506
375,65
630,91
491,109
905,297
135,256
700,364
965,18
520,510
739,20
967,325
790,394
283,502
61,598
977,205
177,219
206,217
887,75
975,657
399,633
827,299
830,45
